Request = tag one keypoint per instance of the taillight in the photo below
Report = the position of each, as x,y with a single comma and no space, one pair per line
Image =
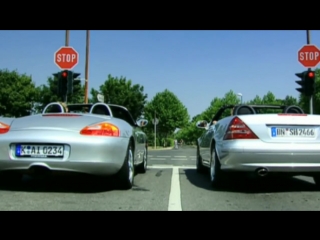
101,129
4,128
239,130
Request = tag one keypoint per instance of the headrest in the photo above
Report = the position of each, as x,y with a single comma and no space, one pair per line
100,109
293,109
243,110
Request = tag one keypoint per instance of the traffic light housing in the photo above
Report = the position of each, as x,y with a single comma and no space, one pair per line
307,82
71,81
62,78
66,80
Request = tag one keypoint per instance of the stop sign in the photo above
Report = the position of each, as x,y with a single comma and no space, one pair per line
66,58
309,56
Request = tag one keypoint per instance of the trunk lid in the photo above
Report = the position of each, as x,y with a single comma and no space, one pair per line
56,121
284,127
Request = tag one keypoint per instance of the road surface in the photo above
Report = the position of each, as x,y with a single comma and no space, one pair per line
171,183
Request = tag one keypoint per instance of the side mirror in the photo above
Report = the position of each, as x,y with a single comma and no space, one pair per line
142,122
202,124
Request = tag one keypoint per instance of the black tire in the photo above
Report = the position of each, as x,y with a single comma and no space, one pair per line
200,168
125,177
219,176
316,180
142,168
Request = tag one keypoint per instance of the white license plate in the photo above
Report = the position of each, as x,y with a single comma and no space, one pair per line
293,132
39,151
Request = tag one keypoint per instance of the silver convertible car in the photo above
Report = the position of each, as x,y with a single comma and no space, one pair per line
96,139
256,141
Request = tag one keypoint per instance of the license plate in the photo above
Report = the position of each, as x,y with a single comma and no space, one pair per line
40,151
291,132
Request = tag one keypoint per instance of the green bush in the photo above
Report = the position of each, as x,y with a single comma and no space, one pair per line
170,142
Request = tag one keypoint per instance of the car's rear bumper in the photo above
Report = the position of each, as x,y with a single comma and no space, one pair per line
82,154
280,157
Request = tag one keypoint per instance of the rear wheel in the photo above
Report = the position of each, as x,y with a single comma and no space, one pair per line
142,168
216,174
125,177
200,167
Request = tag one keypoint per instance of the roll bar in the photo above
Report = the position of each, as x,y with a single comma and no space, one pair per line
101,104
52,104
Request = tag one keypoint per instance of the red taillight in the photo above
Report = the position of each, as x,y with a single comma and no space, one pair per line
61,115
4,128
239,130
101,129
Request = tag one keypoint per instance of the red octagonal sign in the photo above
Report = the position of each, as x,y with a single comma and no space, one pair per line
309,56
66,58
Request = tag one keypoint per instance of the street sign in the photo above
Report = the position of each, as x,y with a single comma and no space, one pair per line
100,97
66,58
155,121
309,56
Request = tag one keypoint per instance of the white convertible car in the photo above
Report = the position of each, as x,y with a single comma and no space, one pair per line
253,140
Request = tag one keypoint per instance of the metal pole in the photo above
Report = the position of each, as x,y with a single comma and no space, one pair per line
67,38
155,131
311,97
67,41
87,67
241,99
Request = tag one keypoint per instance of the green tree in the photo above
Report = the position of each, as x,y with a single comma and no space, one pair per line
169,110
17,94
122,92
47,93
190,133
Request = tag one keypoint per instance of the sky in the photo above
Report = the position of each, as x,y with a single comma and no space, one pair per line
196,66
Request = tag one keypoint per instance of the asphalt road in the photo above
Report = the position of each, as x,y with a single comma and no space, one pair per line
171,183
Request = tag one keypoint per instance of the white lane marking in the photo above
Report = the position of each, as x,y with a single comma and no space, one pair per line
171,159
170,167
175,192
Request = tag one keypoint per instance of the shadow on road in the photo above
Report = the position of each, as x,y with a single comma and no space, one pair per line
250,186
58,184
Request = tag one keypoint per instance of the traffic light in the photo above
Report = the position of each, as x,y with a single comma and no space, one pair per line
71,80
62,82
66,80
307,82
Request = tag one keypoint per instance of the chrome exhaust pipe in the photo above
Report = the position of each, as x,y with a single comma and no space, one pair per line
262,172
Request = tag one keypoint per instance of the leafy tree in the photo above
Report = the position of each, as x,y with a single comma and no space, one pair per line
47,93
169,110
190,133
17,94
121,91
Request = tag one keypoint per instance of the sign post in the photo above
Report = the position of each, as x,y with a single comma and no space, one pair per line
66,58
309,57
155,122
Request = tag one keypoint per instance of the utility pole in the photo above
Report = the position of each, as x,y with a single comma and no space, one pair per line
311,97
67,37
87,67
67,41
155,131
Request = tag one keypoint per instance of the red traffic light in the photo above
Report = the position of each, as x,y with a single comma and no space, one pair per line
64,74
311,74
